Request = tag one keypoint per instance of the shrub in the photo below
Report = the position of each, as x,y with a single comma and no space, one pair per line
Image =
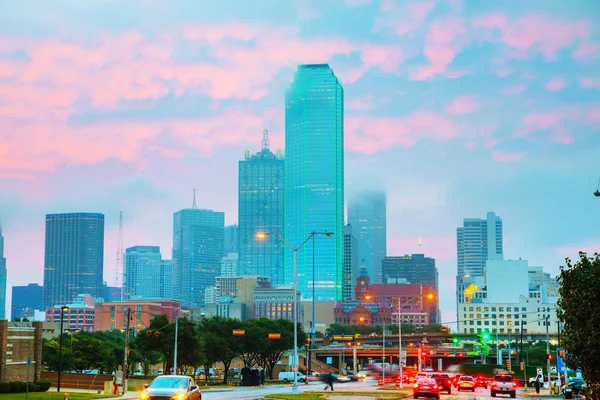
21,387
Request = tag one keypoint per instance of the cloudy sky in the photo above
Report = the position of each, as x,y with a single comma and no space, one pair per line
454,107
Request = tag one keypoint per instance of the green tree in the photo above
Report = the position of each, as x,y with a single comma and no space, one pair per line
579,311
158,337
254,340
275,348
50,354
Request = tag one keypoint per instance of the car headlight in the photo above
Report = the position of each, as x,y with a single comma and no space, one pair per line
179,396
144,396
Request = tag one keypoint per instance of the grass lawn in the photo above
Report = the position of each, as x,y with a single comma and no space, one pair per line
54,396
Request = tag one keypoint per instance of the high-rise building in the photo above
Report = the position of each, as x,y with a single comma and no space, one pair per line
111,293
314,179
147,275
351,263
2,277
367,214
229,265
74,257
260,209
197,252
414,268
26,298
231,239
477,241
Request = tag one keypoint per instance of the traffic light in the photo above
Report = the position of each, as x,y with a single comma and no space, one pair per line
561,353
455,340
423,353
485,336
508,365
549,357
521,365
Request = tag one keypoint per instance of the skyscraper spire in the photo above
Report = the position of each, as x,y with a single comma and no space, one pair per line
265,140
194,202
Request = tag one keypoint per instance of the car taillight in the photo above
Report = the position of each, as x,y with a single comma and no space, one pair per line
493,383
514,384
439,387
416,385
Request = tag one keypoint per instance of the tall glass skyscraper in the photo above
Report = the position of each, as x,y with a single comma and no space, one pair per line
197,252
477,241
147,276
367,215
260,209
314,179
2,277
74,257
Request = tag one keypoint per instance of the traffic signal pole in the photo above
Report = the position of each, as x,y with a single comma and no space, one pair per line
548,353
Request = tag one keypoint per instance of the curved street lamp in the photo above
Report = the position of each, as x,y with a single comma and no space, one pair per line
263,236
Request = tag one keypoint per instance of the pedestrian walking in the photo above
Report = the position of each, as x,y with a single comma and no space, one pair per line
117,379
537,385
329,382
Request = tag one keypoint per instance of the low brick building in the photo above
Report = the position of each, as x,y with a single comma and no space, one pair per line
17,344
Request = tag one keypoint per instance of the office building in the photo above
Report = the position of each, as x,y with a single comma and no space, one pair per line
351,263
314,179
27,298
114,315
112,293
414,268
537,277
260,209
79,317
277,303
367,214
74,257
229,265
506,280
477,241
231,239
2,277
147,275
197,252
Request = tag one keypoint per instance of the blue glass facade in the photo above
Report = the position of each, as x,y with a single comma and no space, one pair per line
314,179
197,252
73,257
147,276
25,298
260,209
367,215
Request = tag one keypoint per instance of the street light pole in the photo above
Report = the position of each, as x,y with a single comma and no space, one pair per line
60,342
312,325
383,343
263,235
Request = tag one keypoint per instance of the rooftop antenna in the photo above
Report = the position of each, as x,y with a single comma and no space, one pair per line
120,270
597,192
265,139
194,202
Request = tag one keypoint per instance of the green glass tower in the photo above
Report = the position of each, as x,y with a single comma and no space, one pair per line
314,180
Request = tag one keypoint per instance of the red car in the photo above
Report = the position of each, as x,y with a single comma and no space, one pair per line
388,379
426,387
481,381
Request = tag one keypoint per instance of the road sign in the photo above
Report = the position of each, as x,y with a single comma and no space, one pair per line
403,353
329,360
553,369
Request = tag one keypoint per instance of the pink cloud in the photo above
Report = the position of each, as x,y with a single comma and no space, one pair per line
444,39
502,156
512,90
590,83
371,134
562,135
556,84
572,251
403,17
470,145
535,33
587,50
462,105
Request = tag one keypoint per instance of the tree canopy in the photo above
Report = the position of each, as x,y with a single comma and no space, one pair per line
579,311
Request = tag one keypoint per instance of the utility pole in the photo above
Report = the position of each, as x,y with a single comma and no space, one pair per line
126,350
522,358
548,350
175,349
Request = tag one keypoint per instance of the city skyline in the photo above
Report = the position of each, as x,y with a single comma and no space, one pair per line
450,109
